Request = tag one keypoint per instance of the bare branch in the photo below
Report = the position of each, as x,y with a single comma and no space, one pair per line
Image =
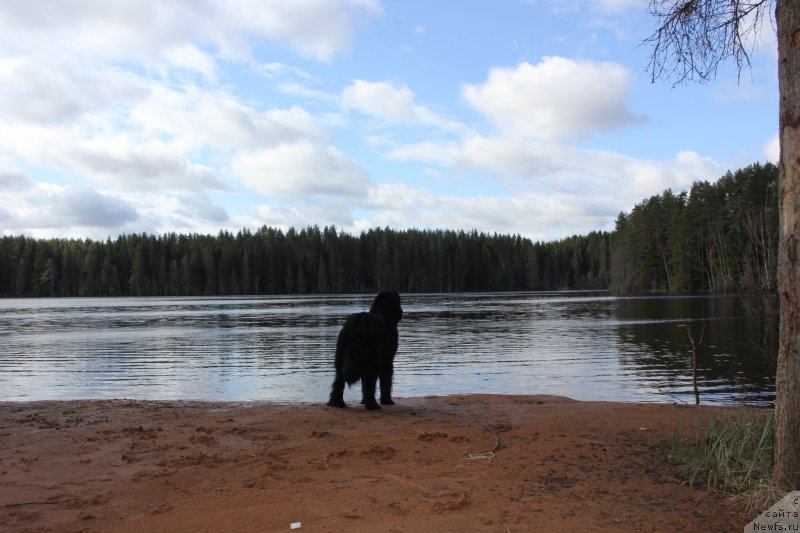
693,37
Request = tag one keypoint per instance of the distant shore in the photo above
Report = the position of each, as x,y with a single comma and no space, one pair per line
447,463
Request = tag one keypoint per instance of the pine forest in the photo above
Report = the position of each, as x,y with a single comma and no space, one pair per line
716,237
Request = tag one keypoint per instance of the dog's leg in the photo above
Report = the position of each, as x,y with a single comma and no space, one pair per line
386,386
337,392
368,391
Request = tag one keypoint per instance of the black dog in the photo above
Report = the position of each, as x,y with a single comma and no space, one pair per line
365,350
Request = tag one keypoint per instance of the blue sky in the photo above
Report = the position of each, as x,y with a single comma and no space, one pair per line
533,117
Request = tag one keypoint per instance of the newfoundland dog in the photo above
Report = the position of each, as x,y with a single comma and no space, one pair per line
365,351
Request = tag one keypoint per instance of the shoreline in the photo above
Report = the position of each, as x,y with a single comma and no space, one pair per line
353,402
445,463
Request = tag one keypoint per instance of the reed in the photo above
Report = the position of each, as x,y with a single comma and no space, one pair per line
729,452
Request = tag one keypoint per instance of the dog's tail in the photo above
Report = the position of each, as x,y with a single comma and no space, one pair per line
350,370
353,347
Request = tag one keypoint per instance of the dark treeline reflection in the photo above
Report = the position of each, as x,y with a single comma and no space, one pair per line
737,354
717,237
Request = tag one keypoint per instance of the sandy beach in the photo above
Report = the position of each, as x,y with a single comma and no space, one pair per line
447,463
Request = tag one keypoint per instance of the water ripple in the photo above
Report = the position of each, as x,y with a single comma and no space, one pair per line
592,347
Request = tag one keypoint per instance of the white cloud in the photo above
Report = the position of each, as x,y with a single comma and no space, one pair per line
91,89
553,188
303,91
151,146
194,118
538,216
81,212
83,207
282,216
109,29
121,29
513,158
45,93
301,169
184,210
562,7
122,162
318,29
398,198
48,209
442,153
11,177
190,57
558,98
588,174
394,104
278,70
388,101
594,183
110,157
141,104
772,149
297,215
615,6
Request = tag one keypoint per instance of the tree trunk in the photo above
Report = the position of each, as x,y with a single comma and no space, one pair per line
787,410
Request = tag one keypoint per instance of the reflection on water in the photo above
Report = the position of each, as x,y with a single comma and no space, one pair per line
590,347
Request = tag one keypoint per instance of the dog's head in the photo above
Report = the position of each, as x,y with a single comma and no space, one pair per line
387,304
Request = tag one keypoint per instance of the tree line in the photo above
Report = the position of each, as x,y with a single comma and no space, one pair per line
716,237
310,260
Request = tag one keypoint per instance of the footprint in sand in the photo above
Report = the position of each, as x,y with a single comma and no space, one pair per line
429,437
452,501
380,452
203,439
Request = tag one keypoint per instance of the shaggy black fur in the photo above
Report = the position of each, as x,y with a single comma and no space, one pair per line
365,351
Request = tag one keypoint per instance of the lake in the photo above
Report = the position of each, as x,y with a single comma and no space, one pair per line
582,345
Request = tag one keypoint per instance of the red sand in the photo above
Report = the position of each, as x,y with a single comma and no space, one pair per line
451,463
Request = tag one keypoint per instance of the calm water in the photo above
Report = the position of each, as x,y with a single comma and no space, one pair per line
589,347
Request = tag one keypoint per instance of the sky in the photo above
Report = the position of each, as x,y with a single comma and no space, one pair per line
522,117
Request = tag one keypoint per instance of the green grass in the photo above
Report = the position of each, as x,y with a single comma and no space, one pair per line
729,452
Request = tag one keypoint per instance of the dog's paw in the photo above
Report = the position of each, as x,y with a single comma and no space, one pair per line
336,403
372,405
387,401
